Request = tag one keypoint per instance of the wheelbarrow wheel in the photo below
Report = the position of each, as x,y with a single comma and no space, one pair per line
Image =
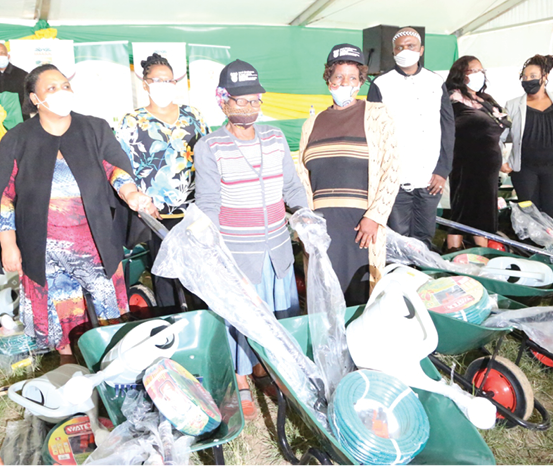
141,296
506,381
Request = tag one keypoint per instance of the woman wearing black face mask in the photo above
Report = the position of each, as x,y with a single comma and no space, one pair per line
531,159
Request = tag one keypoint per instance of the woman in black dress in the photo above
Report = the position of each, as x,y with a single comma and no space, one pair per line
479,122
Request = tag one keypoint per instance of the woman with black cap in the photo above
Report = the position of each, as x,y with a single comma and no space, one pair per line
531,159
159,140
244,176
349,167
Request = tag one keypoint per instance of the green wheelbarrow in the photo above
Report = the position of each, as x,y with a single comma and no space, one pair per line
529,296
453,439
496,378
203,351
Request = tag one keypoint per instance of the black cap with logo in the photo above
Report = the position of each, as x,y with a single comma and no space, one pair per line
346,52
240,78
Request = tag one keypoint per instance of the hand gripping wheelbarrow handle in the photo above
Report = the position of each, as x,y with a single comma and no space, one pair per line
154,225
493,237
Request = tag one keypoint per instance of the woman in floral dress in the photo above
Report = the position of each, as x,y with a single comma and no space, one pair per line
61,224
159,140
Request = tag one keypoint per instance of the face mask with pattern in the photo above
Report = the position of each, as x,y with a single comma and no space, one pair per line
241,117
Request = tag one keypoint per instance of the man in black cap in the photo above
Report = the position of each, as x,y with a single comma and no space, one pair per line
11,77
244,176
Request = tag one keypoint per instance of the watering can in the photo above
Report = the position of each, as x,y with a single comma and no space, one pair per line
9,292
406,275
519,271
46,398
394,333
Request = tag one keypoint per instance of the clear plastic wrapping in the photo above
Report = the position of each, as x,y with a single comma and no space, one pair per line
536,322
145,438
529,222
195,253
325,301
411,251
23,441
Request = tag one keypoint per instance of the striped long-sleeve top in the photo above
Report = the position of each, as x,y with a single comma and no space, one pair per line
243,187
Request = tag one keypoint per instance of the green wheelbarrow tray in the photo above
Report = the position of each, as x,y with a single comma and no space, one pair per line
203,351
453,439
135,262
530,296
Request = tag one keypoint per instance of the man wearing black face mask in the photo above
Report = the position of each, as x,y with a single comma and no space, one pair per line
531,158
244,176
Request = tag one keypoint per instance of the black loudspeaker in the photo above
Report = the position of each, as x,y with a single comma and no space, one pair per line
378,47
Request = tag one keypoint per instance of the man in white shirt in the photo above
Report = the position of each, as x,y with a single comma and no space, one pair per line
425,128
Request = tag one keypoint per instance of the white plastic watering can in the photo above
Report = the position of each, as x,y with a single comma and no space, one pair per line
394,333
525,271
46,398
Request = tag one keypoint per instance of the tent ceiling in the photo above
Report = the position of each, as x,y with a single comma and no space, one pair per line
438,16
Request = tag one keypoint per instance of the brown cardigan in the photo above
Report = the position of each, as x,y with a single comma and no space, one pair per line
383,176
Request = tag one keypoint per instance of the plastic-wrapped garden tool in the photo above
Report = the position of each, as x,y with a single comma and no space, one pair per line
536,322
411,251
23,442
529,222
324,296
195,253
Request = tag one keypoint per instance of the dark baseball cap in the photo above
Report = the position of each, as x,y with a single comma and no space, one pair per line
346,52
240,78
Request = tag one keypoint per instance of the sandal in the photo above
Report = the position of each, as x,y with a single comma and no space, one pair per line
266,385
248,407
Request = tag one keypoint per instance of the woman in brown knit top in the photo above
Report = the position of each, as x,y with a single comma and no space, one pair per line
349,166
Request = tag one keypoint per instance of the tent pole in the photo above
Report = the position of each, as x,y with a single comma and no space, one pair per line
488,16
309,14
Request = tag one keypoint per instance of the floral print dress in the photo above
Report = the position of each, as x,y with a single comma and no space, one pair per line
162,155
52,311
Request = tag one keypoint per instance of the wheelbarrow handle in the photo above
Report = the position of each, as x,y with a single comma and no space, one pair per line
493,237
154,225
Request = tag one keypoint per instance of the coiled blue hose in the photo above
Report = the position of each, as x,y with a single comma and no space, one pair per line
474,311
378,419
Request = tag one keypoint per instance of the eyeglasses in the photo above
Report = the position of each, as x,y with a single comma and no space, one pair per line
155,80
475,71
242,102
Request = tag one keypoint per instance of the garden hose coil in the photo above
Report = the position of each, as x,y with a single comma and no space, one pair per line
378,419
459,297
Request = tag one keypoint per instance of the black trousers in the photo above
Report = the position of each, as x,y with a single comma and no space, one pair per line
165,289
414,214
535,183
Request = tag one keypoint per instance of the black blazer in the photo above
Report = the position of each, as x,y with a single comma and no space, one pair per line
85,145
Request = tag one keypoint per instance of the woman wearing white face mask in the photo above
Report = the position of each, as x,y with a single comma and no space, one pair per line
159,140
479,122
349,167
61,225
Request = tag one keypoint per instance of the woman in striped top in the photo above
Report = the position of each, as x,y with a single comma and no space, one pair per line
244,176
